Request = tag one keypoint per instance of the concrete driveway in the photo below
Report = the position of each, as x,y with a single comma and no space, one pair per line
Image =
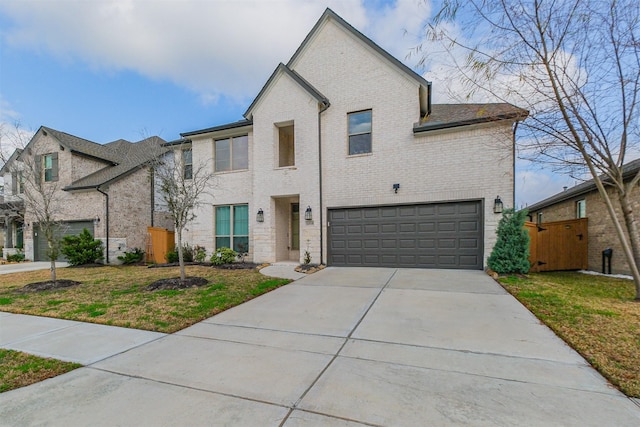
29,266
342,347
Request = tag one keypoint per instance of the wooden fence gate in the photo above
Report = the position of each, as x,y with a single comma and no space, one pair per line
559,245
159,242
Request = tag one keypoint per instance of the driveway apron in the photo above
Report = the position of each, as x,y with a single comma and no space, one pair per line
342,347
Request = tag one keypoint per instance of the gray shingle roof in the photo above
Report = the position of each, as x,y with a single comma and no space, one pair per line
83,146
131,156
628,169
444,116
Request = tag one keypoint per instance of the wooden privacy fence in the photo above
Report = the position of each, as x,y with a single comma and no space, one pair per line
159,242
559,245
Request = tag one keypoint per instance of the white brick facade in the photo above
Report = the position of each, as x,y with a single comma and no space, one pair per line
467,162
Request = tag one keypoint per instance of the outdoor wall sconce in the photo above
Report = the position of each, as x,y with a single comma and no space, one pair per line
396,187
260,216
96,220
497,205
308,214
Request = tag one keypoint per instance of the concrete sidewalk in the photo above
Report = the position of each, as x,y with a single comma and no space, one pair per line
29,266
341,347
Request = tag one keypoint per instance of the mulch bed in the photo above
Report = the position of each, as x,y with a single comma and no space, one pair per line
175,283
309,268
47,286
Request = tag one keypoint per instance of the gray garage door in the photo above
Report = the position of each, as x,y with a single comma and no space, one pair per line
64,229
438,235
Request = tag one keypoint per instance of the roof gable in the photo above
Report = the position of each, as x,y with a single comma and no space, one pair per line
5,168
330,15
280,70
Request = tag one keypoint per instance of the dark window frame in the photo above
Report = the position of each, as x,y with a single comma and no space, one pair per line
359,141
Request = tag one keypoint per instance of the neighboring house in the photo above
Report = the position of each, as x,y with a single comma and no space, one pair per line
343,155
584,201
105,188
12,206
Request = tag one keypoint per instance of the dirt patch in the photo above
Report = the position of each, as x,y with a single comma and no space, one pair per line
47,286
176,283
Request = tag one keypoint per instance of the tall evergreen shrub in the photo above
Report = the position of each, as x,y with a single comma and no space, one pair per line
511,251
82,249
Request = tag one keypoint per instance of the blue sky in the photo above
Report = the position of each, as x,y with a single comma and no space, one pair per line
110,69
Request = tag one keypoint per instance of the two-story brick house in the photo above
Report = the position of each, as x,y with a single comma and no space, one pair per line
12,206
343,155
106,188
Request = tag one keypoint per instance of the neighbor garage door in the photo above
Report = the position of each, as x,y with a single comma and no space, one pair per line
64,229
438,235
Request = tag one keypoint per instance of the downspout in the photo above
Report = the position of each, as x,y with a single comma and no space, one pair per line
153,192
106,195
513,190
325,104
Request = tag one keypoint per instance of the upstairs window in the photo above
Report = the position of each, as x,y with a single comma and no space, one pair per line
17,183
50,167
286,146
187,164
359,132
232,154
581,209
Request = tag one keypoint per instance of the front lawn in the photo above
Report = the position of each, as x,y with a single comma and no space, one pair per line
19,369
596,315
115,295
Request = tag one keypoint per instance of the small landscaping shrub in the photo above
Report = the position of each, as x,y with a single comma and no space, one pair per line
18,257
199,253
223,256
188,254
82,249
133,256
511,251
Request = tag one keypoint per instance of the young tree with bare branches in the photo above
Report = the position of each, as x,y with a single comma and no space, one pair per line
182,185
575,65
37,174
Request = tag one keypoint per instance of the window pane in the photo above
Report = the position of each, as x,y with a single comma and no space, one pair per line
48,161
223,155
359,144
222,242
241,220
241,152
223,223
360,122
187,156
241,244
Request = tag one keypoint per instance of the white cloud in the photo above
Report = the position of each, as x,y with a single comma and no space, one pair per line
215,48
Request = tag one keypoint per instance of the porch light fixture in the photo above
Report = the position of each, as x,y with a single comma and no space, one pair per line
260,216
308,214
497,205
396,187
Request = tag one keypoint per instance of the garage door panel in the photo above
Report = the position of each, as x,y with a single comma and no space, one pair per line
60,230
407,228
468,226
389,228
441,235
469,208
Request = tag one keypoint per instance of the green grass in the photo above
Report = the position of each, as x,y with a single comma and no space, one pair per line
116,296
20,369
596,315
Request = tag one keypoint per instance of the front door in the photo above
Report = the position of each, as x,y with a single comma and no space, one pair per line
294,244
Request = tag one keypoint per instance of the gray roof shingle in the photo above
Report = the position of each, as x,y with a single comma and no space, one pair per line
444,116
